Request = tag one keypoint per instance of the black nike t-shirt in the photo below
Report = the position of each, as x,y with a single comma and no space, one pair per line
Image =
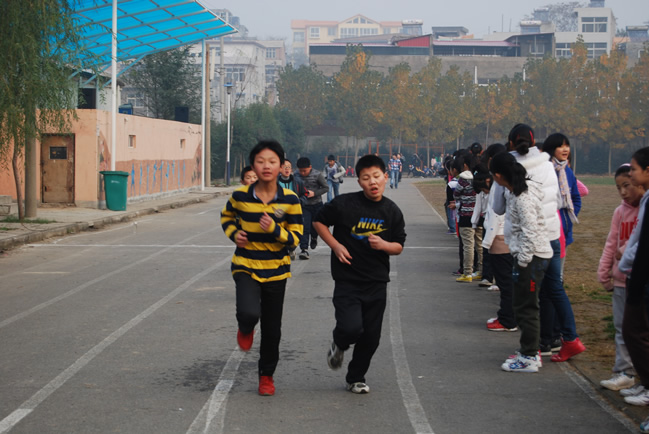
354,218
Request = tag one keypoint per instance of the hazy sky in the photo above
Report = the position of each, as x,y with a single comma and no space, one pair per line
266,19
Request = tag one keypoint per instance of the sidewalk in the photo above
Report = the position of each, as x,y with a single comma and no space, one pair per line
67,220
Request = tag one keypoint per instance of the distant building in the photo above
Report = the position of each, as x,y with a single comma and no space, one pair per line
596,25
638,41
308,33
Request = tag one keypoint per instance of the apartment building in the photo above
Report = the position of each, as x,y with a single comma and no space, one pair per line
307,33
596,26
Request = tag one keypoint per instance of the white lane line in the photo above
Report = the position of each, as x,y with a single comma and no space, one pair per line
88,284
415,411
30,405
587,388
211,418
209,210
214,408
122,246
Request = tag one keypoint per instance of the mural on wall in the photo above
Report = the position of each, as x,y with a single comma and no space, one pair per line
148,177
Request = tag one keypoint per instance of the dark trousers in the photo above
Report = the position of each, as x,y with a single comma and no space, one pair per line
359,317
487,267
635,330
265,301
502,266
526,303
554,302
308,213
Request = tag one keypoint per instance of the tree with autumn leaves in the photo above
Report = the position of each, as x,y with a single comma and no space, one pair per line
599,104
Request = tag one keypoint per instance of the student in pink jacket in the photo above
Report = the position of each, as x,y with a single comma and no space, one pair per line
624,220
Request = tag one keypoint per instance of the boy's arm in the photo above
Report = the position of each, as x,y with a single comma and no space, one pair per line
338,249
378,243
607,261
324,187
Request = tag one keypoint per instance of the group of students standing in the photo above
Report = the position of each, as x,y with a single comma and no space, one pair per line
279,211
513,208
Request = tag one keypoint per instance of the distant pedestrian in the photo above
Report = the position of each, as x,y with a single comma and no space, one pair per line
264,221
316,186
334,172
395,167
367,229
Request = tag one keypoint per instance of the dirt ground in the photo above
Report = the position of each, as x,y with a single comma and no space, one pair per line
590,302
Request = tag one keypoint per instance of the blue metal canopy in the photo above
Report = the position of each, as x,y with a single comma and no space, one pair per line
145,26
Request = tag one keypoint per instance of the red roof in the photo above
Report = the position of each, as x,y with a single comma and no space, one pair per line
474,43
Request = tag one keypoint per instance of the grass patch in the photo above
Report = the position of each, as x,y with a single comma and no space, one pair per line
14,219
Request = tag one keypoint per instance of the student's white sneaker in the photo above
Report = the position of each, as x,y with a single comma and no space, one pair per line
618,381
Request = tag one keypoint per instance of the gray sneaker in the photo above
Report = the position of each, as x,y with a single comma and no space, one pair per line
304,254
358,388
335,357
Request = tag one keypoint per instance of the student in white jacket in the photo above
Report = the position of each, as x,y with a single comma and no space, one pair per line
541,171
526,236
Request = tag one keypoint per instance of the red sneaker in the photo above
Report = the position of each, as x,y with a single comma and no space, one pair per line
245,341
266,385
568,350
493,325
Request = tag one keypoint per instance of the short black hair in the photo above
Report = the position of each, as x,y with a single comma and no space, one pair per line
303,162
624,169
272,145
475,148
367,161
331,157
641,156
553,142
244,171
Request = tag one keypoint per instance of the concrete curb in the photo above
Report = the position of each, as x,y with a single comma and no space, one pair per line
71,228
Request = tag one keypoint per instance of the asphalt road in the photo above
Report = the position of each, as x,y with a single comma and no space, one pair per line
131,329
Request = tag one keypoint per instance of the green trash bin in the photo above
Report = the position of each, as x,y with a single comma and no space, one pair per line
115,186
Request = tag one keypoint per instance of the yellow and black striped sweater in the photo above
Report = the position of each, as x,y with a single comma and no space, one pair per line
265,257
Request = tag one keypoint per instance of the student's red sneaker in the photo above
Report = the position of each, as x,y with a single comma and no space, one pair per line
568,350
266,385
245,341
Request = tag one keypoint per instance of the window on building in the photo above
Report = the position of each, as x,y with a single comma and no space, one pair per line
537,49
271,53
298,36
314,32
235,73
182,143
564,50
366,31
594,24
131,142
331,31
348,31
270,74
136,99
596,49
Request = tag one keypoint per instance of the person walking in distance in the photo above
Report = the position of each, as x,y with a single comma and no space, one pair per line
395,167
334,172
367,229
316,186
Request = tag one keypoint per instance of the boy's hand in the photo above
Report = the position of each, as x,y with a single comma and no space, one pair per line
451,205
342,254
241,239
310,193
265,222
376,242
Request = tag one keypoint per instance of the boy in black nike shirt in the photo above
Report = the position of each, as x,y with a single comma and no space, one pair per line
367,229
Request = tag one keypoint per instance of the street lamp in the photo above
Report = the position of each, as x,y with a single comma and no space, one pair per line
228,89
